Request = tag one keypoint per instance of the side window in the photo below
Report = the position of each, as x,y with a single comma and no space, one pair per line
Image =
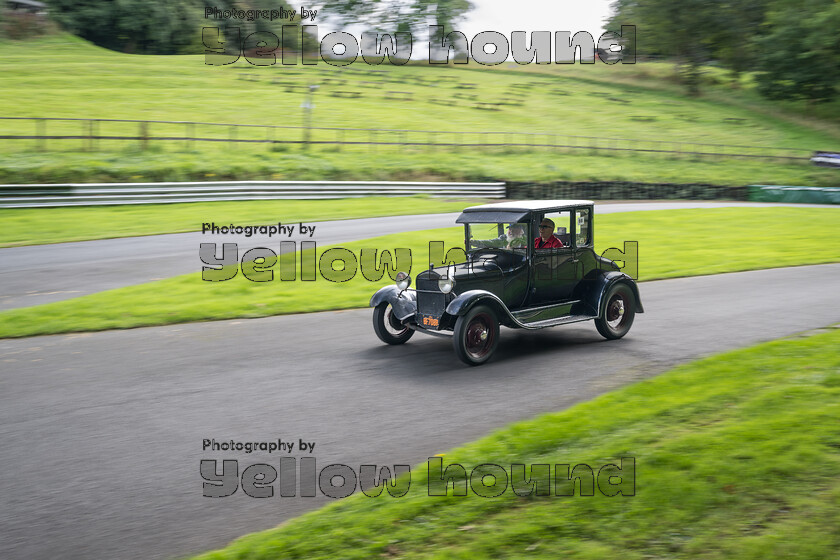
556,225
583,227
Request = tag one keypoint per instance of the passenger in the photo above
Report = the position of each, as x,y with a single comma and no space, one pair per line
546,240
516,236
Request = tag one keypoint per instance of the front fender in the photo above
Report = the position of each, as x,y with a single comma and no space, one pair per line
403,302
466,301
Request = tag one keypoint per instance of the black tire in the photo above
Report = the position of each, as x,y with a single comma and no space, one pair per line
619,312
476,335
387,327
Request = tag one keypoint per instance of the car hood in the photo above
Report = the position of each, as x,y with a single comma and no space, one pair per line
481,274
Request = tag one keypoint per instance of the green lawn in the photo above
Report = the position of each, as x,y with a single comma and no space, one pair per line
33,226
717,85
672,243
63,76
737,456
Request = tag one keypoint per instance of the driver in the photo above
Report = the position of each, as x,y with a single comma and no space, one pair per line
546,240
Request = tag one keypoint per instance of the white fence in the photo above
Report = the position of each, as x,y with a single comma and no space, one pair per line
92,194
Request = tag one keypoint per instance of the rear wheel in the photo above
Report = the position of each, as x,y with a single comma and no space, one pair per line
618,312
476,335
387,327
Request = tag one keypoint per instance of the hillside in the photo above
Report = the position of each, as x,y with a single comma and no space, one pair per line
63,76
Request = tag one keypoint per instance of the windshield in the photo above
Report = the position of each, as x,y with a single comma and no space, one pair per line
506,236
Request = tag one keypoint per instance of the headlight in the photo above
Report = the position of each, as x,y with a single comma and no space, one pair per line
403,280
446,284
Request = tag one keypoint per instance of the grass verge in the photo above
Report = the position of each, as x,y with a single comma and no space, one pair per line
672,243
33,226
736,456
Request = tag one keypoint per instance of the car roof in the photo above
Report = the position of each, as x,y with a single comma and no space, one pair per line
527,205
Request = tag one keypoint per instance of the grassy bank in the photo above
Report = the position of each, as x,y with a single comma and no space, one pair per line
672,243
65,77
33,226
736,456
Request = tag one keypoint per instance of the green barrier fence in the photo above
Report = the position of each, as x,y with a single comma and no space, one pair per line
804,195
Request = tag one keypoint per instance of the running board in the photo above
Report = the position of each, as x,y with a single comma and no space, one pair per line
558,321
544,312
550,315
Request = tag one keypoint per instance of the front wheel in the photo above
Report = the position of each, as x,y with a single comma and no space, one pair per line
618,312
476,335
387,327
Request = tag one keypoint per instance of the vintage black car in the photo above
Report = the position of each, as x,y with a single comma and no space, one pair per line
529,265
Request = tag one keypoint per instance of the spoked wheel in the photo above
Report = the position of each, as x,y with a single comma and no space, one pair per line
476,335
387,327
618,313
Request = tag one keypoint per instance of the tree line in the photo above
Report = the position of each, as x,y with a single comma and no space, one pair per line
156,26
792,46
174,26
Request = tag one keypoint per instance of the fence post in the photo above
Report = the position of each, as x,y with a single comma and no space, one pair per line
41,130
91,125
144,135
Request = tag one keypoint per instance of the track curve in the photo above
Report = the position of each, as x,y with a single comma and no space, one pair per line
102,433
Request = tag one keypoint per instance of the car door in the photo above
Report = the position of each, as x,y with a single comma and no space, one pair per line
585,257
554,271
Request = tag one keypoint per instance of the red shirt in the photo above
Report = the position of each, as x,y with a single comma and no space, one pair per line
552,242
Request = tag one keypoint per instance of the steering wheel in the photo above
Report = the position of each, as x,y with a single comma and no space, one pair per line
502,258
493,252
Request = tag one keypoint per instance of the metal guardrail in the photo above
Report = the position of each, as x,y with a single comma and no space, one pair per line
95,194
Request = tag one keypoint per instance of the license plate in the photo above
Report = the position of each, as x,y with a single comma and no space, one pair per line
429,321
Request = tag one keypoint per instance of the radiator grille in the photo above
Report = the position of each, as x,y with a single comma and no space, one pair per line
431,303
430,300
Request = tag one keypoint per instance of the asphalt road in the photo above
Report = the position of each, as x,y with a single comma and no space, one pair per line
101,434
46,273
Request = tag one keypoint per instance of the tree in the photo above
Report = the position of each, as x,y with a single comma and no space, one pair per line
799,55
738,24
683,29
400,15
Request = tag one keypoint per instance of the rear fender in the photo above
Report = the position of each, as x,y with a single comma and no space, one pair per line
595,298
